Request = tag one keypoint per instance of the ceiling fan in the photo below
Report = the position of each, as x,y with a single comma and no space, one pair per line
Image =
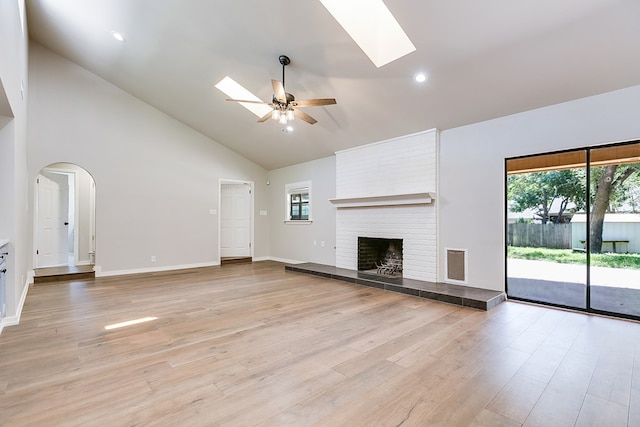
285,106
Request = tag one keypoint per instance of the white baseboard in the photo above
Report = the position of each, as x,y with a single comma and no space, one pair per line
100,273
276,259
15,320
286,261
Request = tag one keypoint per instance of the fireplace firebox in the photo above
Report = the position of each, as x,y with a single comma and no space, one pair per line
380,256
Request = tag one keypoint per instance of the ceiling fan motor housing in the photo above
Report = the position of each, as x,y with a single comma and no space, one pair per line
289,97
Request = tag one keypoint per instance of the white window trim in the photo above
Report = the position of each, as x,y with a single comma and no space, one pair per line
295,187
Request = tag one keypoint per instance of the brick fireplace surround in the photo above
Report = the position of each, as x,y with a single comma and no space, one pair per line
387,190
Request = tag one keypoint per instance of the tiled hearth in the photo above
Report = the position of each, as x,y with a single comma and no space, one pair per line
482,299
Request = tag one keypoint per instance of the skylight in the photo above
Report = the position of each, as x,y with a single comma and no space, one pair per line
235,91
21,11
372,26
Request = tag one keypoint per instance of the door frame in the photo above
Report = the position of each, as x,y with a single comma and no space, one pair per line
36,205
588,308
221,182
76,207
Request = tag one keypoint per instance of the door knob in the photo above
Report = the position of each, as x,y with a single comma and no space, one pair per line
66,223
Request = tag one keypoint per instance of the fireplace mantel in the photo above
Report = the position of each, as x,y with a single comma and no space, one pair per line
390,200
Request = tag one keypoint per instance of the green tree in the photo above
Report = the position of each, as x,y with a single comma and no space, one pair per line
626,195
609,184
540,190
613,187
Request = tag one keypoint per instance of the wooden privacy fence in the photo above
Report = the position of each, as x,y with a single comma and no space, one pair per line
555,236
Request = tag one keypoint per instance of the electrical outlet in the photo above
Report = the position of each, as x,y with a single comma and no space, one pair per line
153,258
322,243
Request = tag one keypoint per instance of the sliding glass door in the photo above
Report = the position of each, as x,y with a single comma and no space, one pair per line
614,231
543,264
573,229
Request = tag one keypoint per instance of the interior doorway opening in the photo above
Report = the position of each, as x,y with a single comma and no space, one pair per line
235,225
64,226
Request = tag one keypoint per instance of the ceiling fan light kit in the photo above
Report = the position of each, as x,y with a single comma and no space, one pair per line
282,116
285,108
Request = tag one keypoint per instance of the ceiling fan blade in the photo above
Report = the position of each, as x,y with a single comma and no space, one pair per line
304,116
265,117
314,102
278,91
249,102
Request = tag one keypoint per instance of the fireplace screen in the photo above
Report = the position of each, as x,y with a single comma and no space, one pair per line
380,256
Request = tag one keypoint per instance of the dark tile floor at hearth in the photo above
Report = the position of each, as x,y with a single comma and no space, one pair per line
467,296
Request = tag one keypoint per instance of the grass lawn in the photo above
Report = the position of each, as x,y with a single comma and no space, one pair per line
567,256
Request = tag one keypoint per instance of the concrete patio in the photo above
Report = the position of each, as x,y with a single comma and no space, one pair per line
613,290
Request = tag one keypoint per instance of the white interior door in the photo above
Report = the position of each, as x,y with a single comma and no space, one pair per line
53,219
235,220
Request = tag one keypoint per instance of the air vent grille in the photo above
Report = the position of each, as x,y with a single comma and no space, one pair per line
456,265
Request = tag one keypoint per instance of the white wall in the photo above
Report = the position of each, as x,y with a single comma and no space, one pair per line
298,241
472,176
13,151
156,179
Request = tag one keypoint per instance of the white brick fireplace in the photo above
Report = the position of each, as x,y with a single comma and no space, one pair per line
387,190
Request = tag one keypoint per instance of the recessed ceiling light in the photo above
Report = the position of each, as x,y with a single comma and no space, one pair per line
235,90
372,26
118,36
420,77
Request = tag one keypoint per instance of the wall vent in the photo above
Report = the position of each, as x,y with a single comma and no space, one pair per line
456,265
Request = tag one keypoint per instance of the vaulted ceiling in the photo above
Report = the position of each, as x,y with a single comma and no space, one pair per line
484,59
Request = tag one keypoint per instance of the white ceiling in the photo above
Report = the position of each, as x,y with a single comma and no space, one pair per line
485,59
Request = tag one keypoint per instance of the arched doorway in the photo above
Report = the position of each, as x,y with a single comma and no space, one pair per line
64,226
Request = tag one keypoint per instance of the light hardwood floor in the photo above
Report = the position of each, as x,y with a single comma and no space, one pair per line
251,344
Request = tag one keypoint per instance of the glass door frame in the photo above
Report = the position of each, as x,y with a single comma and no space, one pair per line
587,166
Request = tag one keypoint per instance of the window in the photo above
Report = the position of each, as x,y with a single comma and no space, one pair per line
298,199
299,206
